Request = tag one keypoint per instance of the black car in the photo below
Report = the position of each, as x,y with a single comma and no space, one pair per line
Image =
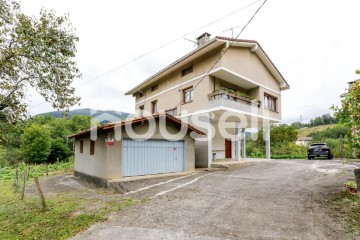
319,150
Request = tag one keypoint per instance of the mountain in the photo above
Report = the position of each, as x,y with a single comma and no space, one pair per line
102,116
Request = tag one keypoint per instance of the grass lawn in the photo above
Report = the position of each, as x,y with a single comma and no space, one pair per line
304,132
67,213
346,209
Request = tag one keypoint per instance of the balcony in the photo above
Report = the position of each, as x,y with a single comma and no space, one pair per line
222,98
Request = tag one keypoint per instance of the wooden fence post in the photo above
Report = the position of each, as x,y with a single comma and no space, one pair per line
42,199
28,174
16,183
24,182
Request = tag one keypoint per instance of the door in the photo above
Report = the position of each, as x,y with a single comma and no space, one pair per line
152,156
227,148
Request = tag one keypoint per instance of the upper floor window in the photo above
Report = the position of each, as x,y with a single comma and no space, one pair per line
81,146
186,71
188,95
172,111
92,147
140,94
141,110
269,102
155,87
154,107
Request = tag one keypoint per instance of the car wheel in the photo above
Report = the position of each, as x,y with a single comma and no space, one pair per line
309,158
330,156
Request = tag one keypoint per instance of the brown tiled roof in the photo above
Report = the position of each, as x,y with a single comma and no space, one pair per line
139,119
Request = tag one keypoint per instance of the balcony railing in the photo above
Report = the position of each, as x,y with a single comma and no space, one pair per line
226,99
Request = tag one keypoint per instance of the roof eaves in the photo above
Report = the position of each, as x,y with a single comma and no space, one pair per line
140,119
267,56
130,92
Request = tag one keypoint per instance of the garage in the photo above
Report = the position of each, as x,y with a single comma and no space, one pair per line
152,156
118,154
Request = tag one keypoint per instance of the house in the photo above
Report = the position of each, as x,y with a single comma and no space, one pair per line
351,84
126,148
304,141
223,87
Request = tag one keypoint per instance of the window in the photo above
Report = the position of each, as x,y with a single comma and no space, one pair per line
155,87
81,146
188,95
141,94
172,111
154,107
186,71
141,110
92,147
269,102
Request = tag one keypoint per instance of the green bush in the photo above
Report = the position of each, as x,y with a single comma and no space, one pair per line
8,172
3,159
36,144
13,156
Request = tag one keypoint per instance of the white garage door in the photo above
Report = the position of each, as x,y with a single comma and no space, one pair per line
152,157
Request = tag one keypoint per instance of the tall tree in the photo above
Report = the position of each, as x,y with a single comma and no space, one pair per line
349,112
35,53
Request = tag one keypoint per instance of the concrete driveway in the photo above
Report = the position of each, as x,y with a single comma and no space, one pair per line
266,199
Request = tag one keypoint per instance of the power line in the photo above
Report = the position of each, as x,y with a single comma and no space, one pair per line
227,48
156,49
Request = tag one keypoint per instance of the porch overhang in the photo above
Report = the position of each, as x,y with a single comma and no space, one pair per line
252,120
237,79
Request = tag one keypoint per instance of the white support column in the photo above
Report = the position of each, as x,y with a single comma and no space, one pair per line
243,143
237,143
267,141
210,139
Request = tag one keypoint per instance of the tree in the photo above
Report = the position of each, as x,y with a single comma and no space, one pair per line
349,112
36,144
279,134
35,53
78,123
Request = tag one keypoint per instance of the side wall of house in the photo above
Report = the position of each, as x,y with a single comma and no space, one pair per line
170,89
106,163
94,165
246,63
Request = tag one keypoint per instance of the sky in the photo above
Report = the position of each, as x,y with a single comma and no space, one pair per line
314,44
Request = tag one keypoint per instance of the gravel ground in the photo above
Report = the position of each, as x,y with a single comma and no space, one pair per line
268,199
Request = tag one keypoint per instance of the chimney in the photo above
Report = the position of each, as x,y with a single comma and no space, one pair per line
203,39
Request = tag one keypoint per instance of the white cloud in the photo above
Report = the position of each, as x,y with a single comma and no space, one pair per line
314,44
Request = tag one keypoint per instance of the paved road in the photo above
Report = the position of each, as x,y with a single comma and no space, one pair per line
268,199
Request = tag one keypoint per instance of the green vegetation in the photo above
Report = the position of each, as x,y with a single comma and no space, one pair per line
307,131
36,144
37,53
350,184
335,132
349,112
283,145
325,119
66,213
8,172
40,139
346,210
